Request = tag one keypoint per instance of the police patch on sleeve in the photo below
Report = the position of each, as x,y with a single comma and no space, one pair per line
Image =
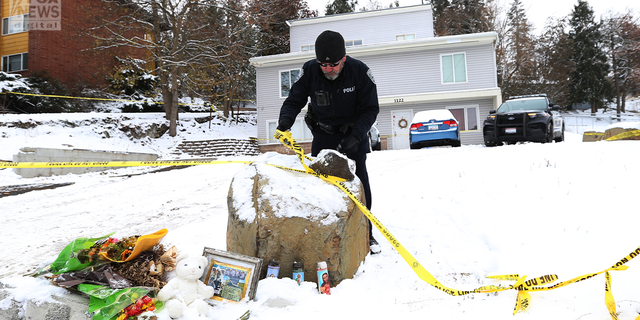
370,74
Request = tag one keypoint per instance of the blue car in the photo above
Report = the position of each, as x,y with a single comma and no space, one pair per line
434,128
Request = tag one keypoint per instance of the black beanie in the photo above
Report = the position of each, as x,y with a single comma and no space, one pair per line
330,47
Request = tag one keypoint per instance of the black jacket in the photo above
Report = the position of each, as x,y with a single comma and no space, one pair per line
353,97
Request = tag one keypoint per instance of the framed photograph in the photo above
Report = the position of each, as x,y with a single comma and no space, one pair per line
234,277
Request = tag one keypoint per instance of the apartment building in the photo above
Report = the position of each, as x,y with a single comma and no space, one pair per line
50,36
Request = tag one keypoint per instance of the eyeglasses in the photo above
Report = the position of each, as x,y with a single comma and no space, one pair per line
332,65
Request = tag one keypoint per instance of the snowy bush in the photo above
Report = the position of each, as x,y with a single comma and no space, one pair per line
24,94
131,80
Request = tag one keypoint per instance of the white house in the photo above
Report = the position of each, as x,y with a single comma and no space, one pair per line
414,71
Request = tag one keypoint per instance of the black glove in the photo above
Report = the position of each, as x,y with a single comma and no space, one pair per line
350,144
284,124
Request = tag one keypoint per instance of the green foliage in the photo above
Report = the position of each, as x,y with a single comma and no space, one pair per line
341,6
588,79
132,79
553,60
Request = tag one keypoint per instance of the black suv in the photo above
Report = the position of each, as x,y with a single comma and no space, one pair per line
524,118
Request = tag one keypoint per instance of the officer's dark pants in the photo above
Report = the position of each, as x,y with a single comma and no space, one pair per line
322,140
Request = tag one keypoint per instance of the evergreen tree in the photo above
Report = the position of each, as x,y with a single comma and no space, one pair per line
518,72
340,6
270,18
438,7
463,16
554,66
588,79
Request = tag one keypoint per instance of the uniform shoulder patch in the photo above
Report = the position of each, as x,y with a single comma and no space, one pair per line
370,74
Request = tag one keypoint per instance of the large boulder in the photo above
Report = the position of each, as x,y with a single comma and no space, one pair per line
622,131
278,214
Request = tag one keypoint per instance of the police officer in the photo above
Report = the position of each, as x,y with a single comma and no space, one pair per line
344,106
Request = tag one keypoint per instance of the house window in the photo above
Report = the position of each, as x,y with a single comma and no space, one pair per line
15,24
468,118
16,62
352,43
454,68
287,78
405,37
308,48
299,130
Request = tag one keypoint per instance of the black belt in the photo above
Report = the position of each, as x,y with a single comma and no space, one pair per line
334,129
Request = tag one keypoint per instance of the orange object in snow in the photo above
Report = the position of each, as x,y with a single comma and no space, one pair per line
144,243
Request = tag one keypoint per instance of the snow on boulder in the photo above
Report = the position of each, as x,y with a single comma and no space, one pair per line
278,214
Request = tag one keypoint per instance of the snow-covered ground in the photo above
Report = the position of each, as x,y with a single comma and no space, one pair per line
465,213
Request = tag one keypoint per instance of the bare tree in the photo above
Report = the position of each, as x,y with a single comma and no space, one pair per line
230,79
518,71
622,40
172,37
377,5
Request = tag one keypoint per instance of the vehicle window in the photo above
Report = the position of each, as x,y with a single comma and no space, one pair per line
528,104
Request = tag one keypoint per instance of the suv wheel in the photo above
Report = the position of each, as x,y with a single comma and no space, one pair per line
549,135
561,137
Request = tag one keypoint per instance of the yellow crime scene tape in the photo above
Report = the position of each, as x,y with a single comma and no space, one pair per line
90,164
521,285
624,135
619,136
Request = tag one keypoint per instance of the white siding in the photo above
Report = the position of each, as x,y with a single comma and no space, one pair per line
268,95
385,122
419,71
366,27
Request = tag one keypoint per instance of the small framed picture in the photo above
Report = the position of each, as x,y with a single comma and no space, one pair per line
233,276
